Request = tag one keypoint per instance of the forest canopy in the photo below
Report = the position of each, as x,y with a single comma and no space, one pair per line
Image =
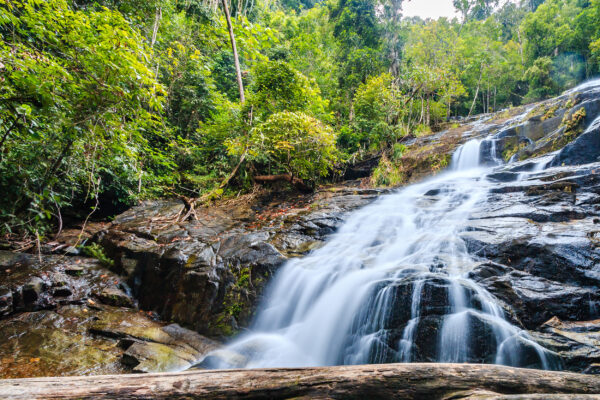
104,103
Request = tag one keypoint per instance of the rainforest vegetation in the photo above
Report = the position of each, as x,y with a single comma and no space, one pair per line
104,103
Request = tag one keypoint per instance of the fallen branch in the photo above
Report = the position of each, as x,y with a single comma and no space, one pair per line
387,381
297,182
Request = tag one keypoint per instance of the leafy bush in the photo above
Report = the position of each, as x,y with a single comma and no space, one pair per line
291,142
278,87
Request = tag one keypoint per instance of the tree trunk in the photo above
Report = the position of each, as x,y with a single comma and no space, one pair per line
428,115
236,60
476,91
157,19
387,381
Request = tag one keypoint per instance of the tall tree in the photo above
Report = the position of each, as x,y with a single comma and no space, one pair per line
236,60
475,9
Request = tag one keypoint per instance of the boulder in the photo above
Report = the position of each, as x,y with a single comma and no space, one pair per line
115,297
585,149
577,343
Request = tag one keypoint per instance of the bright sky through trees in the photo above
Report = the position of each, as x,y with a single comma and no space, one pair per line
433,9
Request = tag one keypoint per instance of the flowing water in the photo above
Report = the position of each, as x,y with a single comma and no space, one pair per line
392,285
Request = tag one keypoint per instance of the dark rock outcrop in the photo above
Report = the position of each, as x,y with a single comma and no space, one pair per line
208,274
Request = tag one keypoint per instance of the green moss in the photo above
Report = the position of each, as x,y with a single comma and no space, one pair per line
571,123
190,261
571,102
511,146
223,326
243,279
536,111
550,112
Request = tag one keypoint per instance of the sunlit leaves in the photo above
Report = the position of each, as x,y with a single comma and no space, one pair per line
291,142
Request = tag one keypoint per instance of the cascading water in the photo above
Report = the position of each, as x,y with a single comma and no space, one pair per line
392,285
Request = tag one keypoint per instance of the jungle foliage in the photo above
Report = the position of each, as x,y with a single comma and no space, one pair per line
104,103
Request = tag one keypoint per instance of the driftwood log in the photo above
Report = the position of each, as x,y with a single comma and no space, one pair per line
398,381
297,182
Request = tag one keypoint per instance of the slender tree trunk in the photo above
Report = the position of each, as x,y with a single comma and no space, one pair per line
428,115
236,60
483,101
477,90
489,93
157,19
474,100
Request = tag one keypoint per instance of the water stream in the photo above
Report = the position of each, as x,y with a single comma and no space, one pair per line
392,285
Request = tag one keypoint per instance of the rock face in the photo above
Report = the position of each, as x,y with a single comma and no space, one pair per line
208,274
539,242
65,314
54,321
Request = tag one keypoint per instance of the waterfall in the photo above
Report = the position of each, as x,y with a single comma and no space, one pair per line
391,285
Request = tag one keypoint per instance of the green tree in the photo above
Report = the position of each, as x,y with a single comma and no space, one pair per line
377,108
292,143
80,108
278,87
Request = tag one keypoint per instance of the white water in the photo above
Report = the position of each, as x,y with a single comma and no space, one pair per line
362,297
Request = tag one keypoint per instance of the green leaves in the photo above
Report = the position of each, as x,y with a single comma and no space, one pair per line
291,142
84,100
279,87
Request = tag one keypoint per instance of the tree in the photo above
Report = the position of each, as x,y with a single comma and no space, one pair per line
377,107
475,9
278,87
540,82
82,108
236,60
291,144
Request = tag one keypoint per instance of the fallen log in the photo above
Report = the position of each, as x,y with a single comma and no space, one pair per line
387,381
297,182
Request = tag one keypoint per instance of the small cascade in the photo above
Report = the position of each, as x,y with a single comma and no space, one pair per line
408,336
392,285
467,156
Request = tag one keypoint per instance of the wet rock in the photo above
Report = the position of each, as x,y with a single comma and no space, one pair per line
156,357
6,302
74,270
151,346
115,297
33,289
585,149
173,349
533,299
83,340
577,343
62,291
36,284
55,343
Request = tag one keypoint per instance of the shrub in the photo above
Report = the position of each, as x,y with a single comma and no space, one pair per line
291,142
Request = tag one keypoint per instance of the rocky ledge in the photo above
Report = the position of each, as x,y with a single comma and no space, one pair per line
64,314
